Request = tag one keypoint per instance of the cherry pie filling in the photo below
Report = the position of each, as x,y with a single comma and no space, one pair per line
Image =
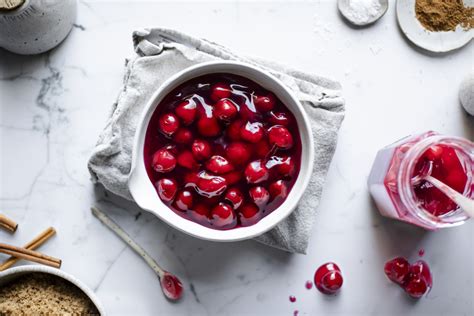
222,151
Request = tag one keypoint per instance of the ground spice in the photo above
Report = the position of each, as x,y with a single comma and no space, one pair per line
444,15
43,294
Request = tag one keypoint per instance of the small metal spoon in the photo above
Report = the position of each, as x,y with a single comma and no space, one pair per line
465,203
359,16
170,284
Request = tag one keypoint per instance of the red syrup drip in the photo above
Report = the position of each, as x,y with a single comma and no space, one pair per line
222,151
309,285
421,252
292,298
295,313
171,286
415,279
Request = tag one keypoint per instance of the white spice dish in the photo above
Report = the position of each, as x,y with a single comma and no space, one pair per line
438,42
362,12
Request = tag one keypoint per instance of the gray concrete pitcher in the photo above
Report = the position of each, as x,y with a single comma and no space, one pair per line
34,26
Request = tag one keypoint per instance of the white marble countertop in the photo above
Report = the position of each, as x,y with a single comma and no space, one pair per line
53,106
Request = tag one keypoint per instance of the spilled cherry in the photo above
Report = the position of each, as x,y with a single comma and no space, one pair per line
328,278
415,279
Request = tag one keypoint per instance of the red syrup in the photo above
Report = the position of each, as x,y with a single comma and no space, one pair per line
446,167
328,278
222,151
171,286
292,298
295,313
415,279
421,252
308,285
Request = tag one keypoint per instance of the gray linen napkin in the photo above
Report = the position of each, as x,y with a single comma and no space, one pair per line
161,53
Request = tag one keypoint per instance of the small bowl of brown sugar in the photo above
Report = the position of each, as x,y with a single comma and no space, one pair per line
40,290
437,25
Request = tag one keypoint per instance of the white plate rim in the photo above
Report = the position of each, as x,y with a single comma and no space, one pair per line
437,42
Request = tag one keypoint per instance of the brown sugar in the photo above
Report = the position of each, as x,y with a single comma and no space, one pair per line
43,294
444,15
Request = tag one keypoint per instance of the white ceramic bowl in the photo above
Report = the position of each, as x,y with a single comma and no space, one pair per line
13,273
144,192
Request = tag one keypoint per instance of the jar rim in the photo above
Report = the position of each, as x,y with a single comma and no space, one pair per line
407,166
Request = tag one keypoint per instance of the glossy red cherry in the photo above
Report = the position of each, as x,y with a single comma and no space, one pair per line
278,118
220,91
416,286
232,177
421,267
397,270
223,216
263,149
201,149
434,152
279,136
183,136
191,179
233,130
287,167
264,103
166,189
419,280
202,210
249,214
200,213
225,110
171,148
449,158
252,132
209,185
235,197
259,195
186,111
278,189
456,179
219,165
328,278
163,161
184,200
208,126
248,113
256,172
238,153
186,160
169,124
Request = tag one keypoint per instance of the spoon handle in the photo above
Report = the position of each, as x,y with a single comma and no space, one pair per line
464,202
107,221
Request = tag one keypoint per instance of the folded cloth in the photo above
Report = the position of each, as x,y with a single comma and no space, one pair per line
160,53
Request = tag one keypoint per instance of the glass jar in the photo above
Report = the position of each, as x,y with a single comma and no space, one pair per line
391,185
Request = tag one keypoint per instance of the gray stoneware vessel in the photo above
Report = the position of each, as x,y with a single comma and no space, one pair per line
30,27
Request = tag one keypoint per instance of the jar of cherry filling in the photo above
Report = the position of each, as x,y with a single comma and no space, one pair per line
396,193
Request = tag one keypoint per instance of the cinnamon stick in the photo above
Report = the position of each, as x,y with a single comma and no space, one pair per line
32,245
30,255
8,224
